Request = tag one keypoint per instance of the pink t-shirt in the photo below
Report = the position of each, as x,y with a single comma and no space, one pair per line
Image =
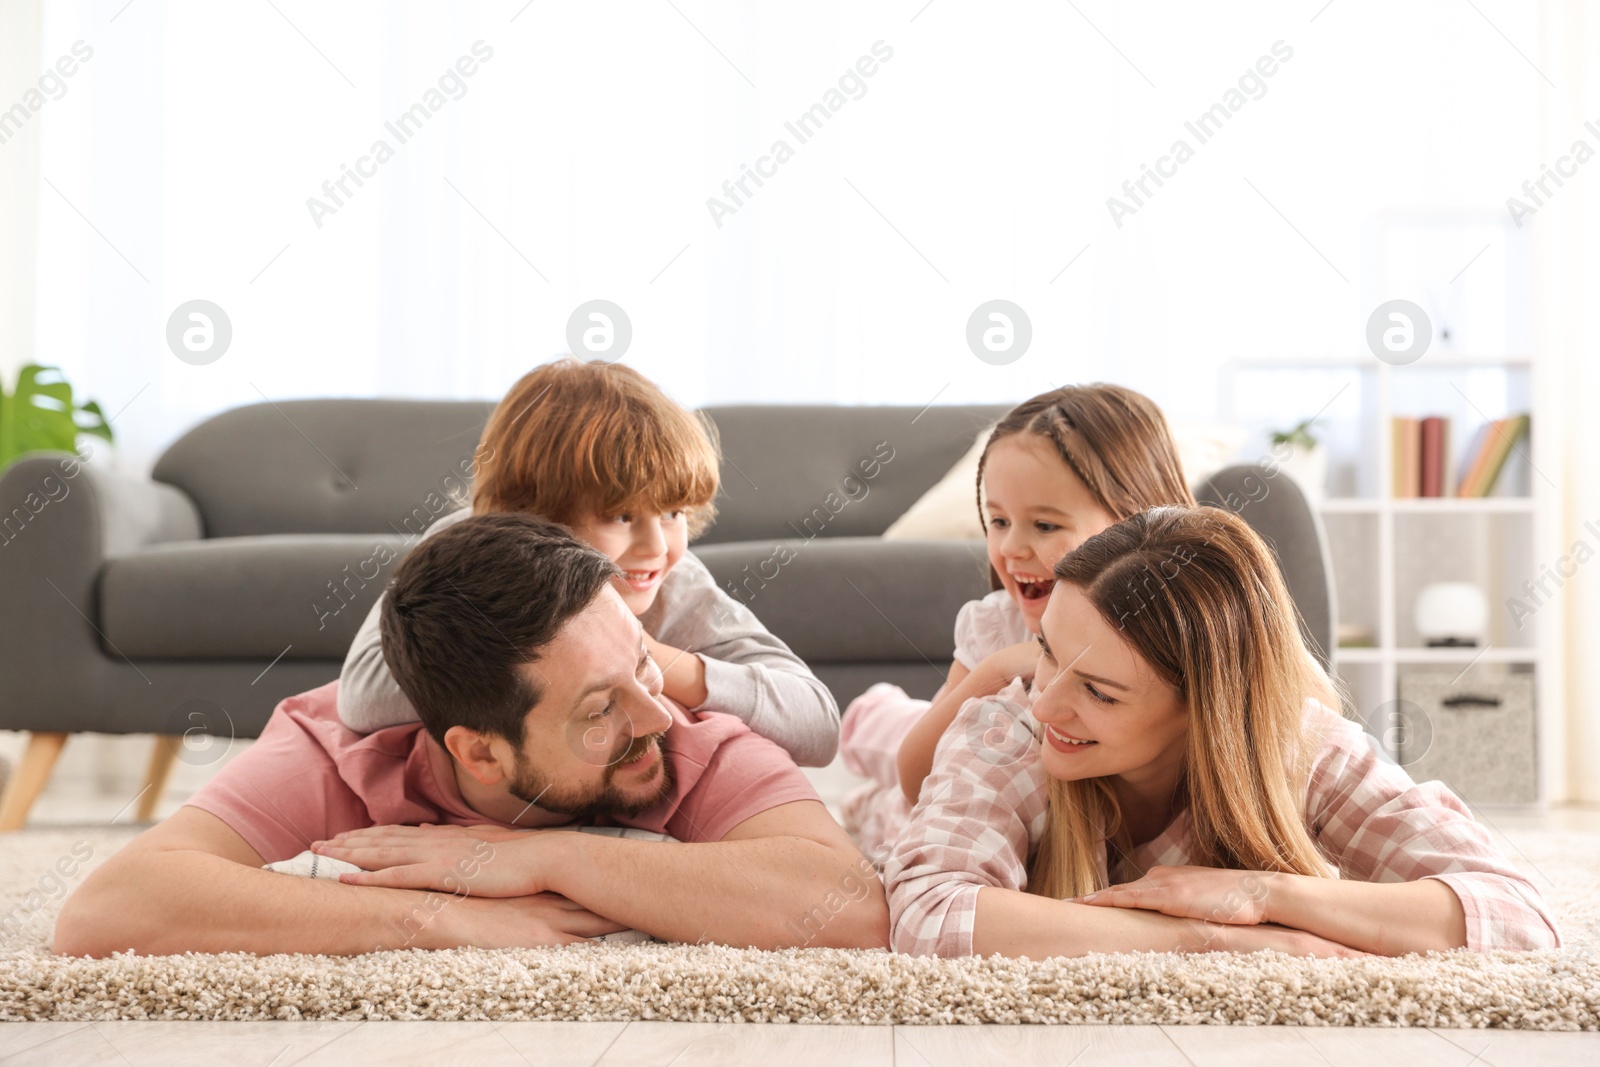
308,777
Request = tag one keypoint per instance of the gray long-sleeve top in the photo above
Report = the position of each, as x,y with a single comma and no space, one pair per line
749,672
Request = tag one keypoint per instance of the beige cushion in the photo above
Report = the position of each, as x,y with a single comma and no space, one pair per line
949,509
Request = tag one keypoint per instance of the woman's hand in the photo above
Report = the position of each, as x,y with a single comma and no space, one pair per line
485,861
1209,894
1269,937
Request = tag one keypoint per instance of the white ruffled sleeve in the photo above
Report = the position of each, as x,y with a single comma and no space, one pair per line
984,627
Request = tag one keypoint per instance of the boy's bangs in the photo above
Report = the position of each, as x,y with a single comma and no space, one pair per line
628,475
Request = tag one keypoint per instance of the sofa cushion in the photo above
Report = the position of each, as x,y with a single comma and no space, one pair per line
855,599
832,600
824,470
245,597
327,466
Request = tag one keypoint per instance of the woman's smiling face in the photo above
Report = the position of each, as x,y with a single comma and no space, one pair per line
1037,510
1104,710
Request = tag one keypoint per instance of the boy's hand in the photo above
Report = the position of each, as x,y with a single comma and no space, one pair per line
683,674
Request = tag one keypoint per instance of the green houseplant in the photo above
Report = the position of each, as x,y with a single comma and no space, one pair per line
1298,436
41,414
1302,455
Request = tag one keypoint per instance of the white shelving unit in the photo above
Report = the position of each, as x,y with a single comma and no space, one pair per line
1383,543
1428,506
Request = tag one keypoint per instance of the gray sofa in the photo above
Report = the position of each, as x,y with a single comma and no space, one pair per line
193,601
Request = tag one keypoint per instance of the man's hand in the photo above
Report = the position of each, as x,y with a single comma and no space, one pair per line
1210,894
483,861
515,922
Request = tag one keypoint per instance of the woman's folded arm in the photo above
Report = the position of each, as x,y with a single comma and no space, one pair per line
1378,826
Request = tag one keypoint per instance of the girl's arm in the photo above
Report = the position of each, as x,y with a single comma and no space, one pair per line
746,671
953,677
988,678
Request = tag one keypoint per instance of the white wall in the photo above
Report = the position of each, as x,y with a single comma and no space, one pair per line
594,136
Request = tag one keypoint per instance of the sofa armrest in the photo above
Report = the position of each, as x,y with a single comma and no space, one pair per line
60,519
124,512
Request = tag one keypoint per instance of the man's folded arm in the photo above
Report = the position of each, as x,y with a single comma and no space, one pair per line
788,877
192,884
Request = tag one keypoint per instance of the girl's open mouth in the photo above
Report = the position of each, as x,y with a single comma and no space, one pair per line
1035,591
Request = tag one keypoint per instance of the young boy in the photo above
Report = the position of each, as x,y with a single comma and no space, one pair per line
602,450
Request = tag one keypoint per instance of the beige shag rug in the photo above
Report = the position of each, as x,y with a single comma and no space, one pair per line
700,983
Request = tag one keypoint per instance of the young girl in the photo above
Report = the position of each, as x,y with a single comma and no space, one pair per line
602,450
1056,470
1176,784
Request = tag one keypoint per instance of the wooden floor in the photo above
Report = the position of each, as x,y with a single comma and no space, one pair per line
437,1044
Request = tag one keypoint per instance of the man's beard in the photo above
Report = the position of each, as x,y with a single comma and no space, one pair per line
532,787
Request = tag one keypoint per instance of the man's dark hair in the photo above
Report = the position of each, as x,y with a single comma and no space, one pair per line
474,602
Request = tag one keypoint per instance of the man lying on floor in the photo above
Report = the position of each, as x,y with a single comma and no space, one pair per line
541,715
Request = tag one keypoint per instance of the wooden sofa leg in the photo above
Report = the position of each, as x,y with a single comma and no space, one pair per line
30,779
155,777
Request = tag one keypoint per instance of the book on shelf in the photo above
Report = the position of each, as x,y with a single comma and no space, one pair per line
1473,454
1434,431
1491,448
1421,456
1408,457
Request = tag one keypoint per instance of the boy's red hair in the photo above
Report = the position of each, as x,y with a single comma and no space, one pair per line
575,440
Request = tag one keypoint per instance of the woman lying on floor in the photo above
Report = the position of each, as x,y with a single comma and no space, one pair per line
1176,781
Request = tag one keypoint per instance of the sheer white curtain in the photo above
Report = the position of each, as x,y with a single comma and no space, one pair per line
1569,248
974,162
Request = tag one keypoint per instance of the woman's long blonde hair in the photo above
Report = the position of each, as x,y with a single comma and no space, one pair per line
1198,595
